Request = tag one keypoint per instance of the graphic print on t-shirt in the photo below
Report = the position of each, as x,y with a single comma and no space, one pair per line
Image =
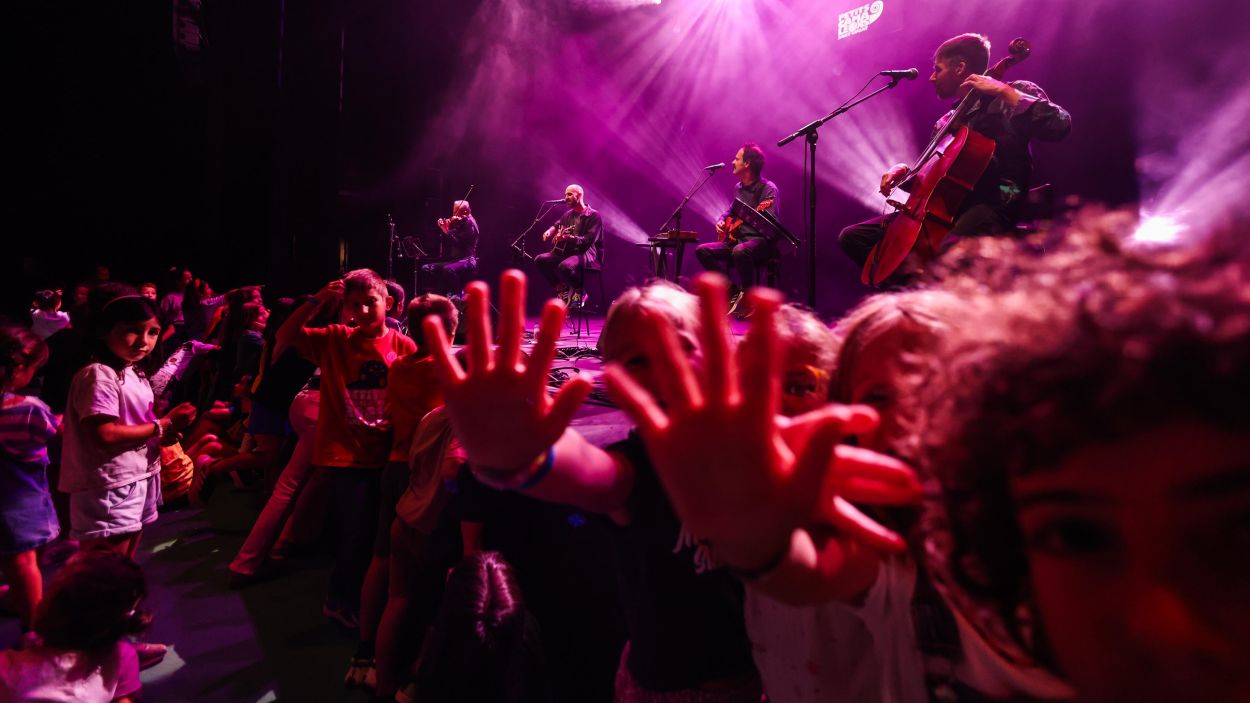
365,398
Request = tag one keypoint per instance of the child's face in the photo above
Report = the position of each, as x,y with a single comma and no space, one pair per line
804,385
131,341
22,376
148,292
630,349
881,365
366,309
1139,556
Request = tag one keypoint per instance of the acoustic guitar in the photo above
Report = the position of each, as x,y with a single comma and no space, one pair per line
727,230
563,239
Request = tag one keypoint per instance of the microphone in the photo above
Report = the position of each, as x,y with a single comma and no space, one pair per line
714,167
553,202
910,74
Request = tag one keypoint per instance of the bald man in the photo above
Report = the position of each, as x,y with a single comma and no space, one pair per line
577,245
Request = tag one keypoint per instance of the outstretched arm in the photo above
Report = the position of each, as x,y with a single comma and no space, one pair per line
754,485
514,434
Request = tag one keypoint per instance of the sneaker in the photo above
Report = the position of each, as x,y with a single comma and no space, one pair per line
564,293
344,616
150,654
735,298
361,673
579,299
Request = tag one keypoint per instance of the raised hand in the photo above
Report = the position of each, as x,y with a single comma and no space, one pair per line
333,289
740,476
499,408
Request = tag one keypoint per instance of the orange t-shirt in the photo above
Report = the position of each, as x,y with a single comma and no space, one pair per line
352,426
414,391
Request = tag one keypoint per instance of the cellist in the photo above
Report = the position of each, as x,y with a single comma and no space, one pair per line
1015,114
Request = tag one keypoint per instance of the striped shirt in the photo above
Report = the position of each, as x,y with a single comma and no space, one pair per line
26,427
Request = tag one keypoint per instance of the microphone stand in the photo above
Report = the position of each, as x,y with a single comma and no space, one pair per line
675,218
390,248
518,244
810,131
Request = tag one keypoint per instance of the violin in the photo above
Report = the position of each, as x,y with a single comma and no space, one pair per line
446,223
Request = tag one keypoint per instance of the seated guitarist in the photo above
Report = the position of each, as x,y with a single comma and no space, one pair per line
1018,113
577,245
745,247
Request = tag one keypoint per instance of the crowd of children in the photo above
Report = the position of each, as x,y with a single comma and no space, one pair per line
1022,477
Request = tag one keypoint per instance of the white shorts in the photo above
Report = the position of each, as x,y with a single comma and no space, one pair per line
114,511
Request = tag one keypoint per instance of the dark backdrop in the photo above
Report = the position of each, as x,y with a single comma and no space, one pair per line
267,141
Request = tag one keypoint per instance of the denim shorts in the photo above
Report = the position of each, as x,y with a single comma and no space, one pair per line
27,521
114,511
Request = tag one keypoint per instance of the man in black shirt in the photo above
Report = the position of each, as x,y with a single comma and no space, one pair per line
745,247
461,251
1014,114
577,245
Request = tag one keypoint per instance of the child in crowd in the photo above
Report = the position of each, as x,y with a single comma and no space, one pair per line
438,519
773,476
27,518
1092,451
148,290
267,427
46,316
199,308
412,392
173,329
484,647
83,655
354,436
299,491
395,313
111,461
894,640
683,613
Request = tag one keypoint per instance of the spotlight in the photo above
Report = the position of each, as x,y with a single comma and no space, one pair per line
1158,229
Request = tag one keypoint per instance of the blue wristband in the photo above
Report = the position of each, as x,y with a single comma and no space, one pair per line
541,472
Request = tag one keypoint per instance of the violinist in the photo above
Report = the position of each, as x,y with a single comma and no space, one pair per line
461,251
1015,114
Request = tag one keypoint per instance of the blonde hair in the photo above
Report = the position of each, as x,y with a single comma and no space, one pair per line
800,328
660,297
923,313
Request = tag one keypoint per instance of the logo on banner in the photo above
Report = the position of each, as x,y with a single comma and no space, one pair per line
857,20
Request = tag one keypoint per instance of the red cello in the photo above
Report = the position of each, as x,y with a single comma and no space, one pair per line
942,177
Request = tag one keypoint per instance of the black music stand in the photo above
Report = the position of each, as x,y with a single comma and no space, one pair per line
764,222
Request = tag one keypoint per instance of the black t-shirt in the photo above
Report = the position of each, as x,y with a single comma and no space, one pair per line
685,628
282,379
587,234
1009,175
